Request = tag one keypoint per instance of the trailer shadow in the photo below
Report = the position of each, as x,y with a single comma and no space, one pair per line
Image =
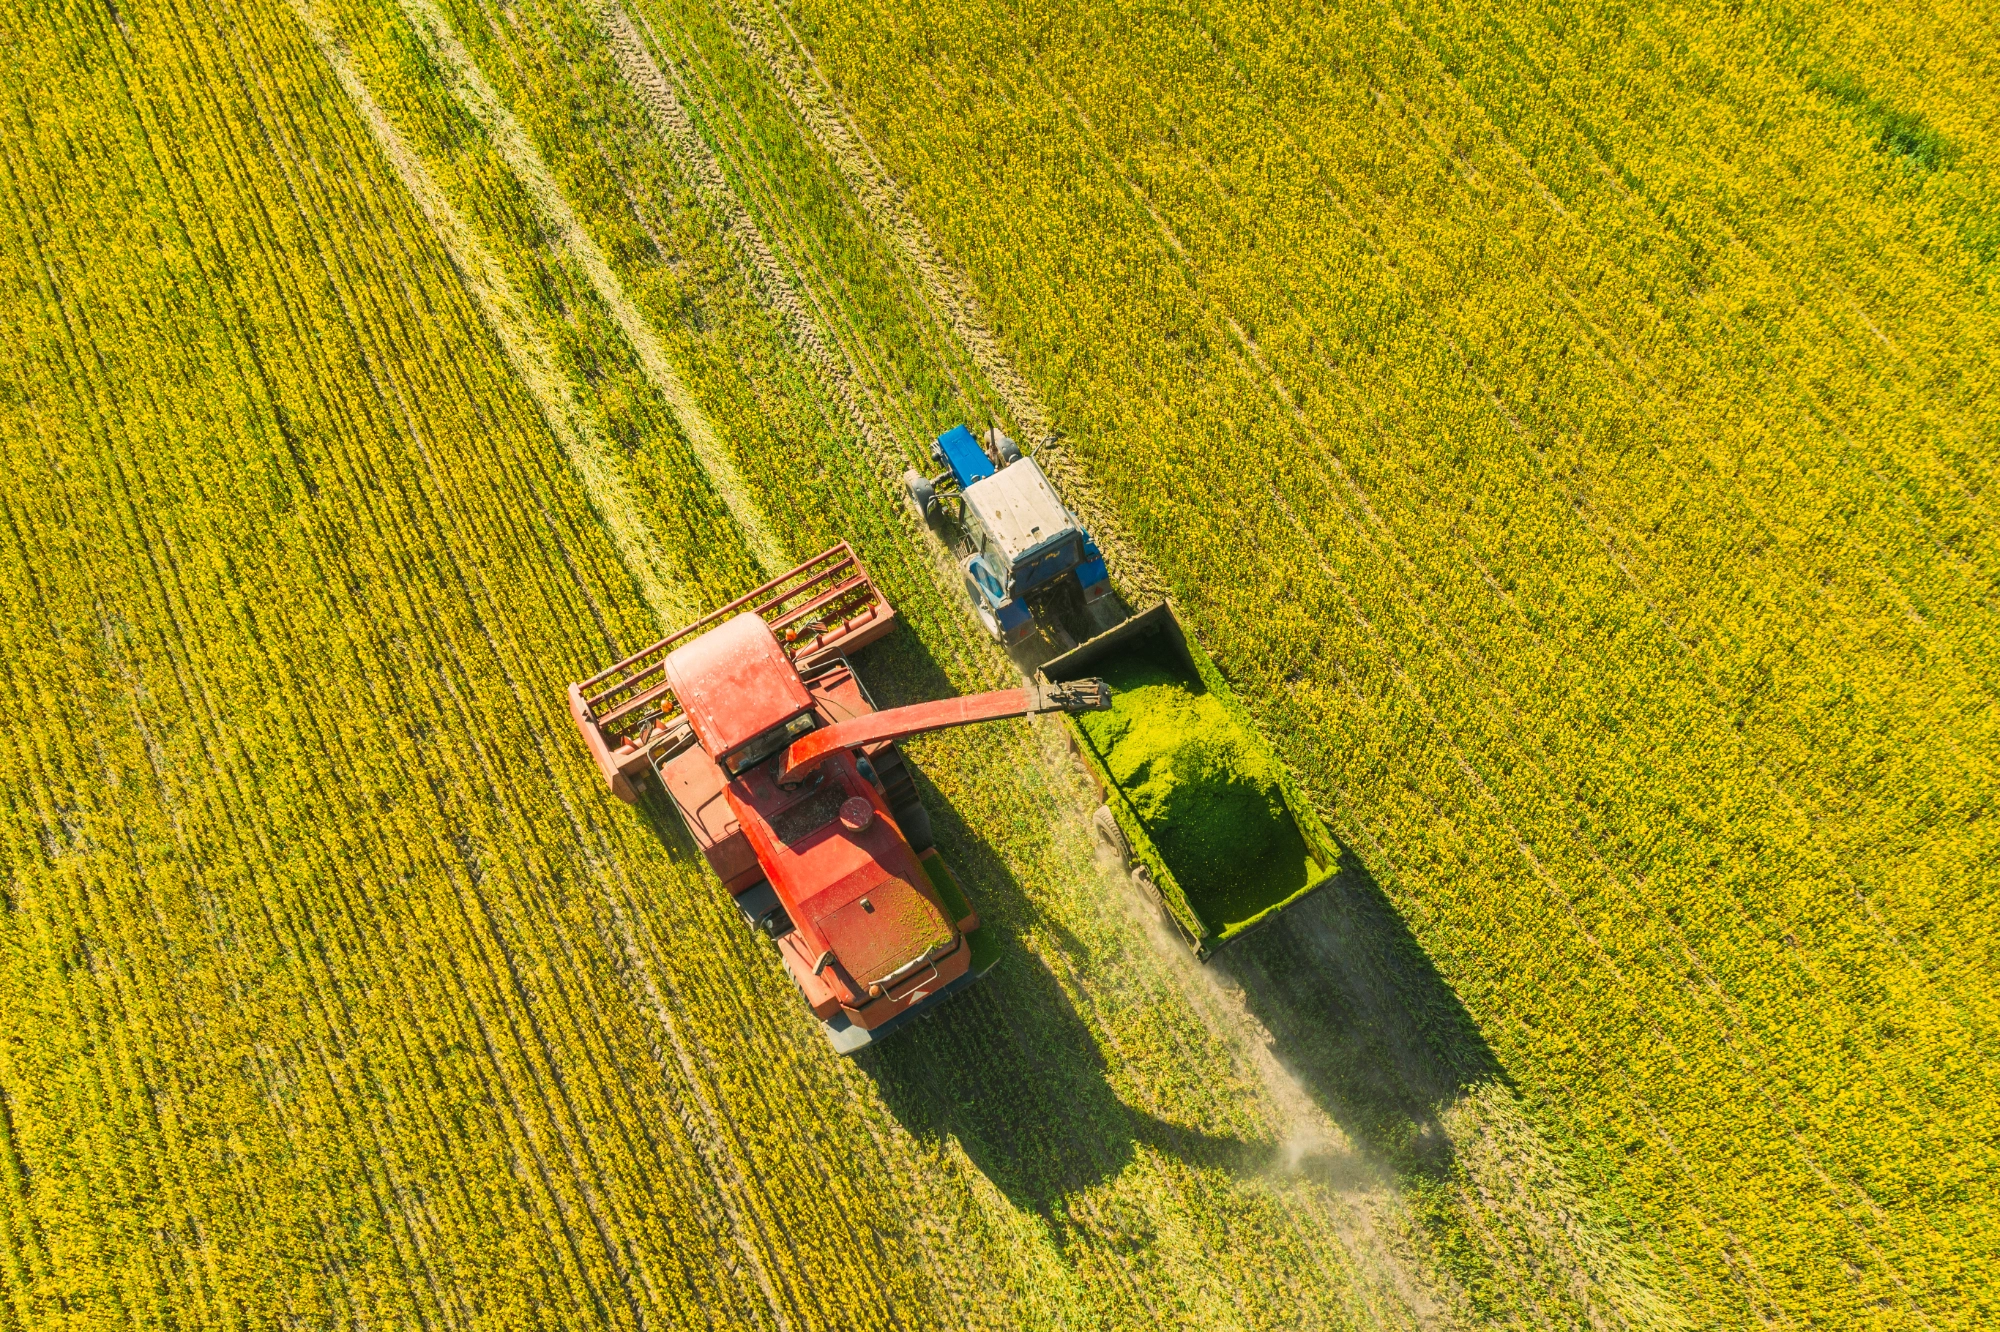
1357,1012
1361,1017
1011,1071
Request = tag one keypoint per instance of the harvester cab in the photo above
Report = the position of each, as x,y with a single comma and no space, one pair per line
1020,551
788,778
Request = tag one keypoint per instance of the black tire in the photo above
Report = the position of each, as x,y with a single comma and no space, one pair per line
915,821
1007,451
1105,824
922,494
987,620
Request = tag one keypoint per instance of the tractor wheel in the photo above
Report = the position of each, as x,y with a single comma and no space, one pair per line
1005,449
1111,836
987,620
922,494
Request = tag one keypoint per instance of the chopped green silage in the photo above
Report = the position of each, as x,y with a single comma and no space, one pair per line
1203,787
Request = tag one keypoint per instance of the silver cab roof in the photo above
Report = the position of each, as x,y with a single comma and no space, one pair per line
1018,507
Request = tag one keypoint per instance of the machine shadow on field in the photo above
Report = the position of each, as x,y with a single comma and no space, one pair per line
1011,1070
1357,1013
1363,1020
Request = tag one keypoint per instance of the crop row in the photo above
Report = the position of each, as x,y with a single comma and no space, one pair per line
1625,601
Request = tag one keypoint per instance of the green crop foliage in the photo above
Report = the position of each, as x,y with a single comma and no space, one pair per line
1204,791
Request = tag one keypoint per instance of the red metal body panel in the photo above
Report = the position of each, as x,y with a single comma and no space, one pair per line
622,766
735,683
696,784
864,916
824,608
899,723
867,926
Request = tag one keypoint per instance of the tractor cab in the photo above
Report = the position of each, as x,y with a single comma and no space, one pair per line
1019,546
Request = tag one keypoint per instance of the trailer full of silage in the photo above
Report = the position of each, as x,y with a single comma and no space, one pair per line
1208,818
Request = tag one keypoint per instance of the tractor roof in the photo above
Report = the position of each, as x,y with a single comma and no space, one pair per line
1019,509
735,683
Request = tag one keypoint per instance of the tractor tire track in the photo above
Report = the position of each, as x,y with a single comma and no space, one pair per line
470,86
668,111
581,439
943,292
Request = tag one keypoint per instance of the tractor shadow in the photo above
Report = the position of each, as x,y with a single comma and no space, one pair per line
1011,1071
1357,1012
1360,1016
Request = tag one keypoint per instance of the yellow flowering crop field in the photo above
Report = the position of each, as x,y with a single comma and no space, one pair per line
1570,430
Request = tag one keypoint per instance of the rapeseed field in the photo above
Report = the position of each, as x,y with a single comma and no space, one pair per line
1569,431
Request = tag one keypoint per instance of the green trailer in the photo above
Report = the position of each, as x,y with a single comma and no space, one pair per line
1196,805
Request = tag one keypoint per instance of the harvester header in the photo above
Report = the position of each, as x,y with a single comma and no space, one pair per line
789,780
824,609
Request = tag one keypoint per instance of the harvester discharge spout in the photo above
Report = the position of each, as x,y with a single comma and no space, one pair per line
901,723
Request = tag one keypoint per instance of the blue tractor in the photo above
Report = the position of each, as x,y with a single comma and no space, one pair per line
1023,555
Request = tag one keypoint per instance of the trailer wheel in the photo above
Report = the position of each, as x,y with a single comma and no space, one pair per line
1105,823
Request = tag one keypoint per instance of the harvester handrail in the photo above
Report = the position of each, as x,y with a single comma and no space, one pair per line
805,574
824,607
793,616
632,704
